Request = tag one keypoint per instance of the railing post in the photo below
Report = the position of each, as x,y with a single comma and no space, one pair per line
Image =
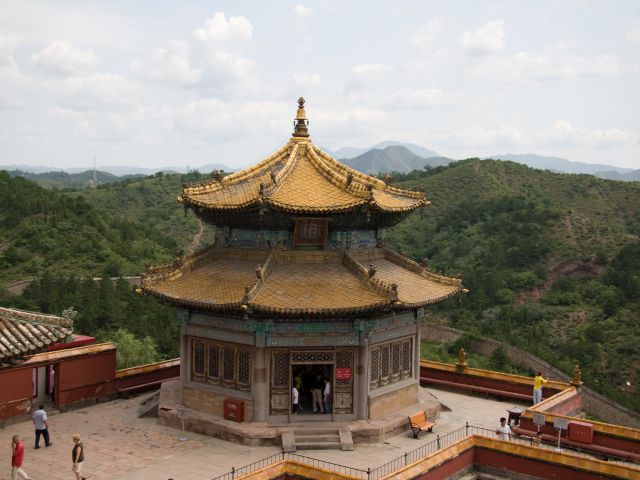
233,472
405,458
368,473
466,424
438,441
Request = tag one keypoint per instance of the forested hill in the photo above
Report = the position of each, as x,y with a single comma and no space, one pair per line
552,262
47,231
151,201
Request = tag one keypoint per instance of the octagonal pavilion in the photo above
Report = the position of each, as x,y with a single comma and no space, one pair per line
298,286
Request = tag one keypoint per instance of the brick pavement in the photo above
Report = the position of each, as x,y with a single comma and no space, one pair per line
121,446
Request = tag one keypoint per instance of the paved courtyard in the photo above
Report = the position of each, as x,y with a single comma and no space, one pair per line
121,446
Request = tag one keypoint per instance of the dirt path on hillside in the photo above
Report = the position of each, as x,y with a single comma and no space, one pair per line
569,269
195,243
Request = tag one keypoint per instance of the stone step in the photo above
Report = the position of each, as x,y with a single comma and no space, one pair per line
335,438
317,445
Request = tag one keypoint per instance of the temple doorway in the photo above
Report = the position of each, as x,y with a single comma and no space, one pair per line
310,380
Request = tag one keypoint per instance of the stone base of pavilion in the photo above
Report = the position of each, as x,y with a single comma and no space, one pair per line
263,433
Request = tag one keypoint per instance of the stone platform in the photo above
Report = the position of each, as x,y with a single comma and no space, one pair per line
264,434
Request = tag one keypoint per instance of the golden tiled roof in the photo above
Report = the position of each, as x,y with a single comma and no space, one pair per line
300,178
24,333
297,282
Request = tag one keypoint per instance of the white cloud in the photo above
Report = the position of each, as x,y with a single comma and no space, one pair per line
552,65
477,136
564,133
421,98
426,35
633,34
94,92
353,117
219,29
372,70
169,64
486,40
307,79
8,43
302,11
63,58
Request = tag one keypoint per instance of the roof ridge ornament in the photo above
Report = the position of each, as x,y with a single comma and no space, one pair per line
301,123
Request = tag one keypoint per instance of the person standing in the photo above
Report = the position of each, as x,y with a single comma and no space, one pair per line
538,382
294,399
17,458
503,431
77,456
327,395
42,426
316,392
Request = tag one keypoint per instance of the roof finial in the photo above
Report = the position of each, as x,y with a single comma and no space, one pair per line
301,123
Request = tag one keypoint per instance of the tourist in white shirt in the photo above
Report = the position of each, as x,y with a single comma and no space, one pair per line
327,395
503,431
294,399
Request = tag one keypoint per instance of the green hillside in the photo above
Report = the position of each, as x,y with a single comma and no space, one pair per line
151,201
552,263
47,231
61,180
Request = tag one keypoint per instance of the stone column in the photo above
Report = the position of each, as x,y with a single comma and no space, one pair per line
260,388
361,386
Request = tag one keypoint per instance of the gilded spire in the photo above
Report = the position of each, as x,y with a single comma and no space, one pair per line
301,123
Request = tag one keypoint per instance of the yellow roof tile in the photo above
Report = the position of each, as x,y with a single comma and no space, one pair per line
300,177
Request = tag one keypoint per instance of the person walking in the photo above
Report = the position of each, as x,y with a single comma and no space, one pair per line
77,456
327,395
294,400
538,382
503,431
42,426
17,458
316,392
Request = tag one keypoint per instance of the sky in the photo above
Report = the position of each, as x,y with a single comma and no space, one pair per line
159,83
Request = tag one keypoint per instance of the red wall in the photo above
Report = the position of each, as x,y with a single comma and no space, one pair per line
85,378
156,375
528,466
16,387
448,468
493,383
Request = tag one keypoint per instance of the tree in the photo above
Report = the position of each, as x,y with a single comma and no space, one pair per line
132,351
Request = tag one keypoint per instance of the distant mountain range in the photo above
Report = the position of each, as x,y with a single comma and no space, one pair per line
387,156
394,158
557,164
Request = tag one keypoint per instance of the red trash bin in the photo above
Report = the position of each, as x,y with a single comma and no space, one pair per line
234,409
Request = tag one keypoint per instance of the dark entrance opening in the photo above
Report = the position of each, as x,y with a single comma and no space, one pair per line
311,383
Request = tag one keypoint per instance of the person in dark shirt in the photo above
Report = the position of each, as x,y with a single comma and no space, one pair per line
77,456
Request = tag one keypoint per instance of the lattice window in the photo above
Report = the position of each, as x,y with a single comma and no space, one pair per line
280,369
229,362
214,361
374,367
390,362
213,364
344,359
407,358
244,367
395,359
312,357
385,371
198,358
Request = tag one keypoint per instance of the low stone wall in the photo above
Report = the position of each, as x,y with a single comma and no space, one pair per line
592,401
385,403
212,402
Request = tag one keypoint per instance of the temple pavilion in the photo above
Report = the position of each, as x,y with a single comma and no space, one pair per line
298,286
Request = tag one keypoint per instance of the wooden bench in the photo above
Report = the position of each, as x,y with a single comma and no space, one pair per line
420,422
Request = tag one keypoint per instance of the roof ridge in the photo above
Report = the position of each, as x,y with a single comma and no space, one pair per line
26,316
278,179
389,290
262,272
